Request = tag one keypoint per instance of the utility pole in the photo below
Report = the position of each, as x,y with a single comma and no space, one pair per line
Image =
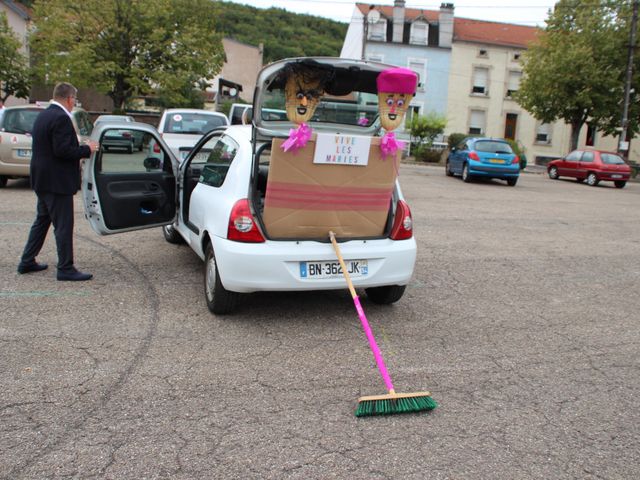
623,146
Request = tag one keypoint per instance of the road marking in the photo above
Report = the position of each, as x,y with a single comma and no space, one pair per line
43,293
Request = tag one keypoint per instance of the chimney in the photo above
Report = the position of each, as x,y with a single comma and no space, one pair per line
445,28
398,21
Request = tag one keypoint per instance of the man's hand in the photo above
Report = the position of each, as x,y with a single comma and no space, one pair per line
93,145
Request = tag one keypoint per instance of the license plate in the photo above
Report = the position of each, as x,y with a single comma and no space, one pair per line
496,160
23,153
615,175
355,268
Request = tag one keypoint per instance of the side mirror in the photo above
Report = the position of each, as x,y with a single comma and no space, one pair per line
152,163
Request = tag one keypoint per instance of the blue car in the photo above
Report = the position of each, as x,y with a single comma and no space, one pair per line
484,157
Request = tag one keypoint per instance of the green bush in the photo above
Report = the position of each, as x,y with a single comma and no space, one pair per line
425,128
455,138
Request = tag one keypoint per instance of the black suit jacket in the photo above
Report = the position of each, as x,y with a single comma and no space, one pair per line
56,153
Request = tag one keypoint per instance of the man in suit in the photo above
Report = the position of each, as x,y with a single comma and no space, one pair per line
55,177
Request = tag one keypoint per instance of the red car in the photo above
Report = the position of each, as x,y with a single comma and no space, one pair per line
593,165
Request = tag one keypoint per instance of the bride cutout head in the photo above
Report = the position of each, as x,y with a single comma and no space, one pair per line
396,88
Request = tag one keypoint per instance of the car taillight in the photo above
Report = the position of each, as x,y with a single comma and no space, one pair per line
474,156
156,148
515,160
403,223
242,226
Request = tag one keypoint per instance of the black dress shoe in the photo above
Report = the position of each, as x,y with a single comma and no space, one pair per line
74,276
31,267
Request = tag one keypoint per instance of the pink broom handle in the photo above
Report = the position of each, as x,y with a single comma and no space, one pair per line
363,319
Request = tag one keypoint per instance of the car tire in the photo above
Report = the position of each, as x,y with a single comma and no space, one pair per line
385,295
512,181
219,300
465,174
171,235
553,173
592,179
3,181
620,183
447,169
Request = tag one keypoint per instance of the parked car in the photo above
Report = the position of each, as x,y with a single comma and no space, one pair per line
181,128
125,138
214,201
484,158
593,166
16,124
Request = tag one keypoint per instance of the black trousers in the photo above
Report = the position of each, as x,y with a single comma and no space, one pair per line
57,209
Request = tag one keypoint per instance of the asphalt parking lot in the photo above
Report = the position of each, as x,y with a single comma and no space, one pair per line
521,319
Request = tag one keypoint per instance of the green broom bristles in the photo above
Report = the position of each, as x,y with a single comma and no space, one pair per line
390,404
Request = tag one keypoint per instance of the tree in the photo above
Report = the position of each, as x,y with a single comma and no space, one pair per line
14,71
423,130
125,48
572,72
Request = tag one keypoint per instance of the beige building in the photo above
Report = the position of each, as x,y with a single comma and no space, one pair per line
485,70
241,67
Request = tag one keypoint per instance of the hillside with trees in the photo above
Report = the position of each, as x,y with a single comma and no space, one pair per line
284,34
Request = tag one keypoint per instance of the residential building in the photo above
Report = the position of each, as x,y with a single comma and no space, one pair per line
472,68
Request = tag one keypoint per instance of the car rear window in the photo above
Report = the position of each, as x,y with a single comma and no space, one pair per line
20,120
493,147
611,159
192,123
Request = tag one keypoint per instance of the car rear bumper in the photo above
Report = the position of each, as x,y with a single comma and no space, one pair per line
16,168
275,266
614,177
480,169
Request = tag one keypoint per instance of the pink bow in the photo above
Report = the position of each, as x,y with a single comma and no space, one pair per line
389,145
298,138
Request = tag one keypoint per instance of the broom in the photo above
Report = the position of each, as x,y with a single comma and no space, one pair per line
392,402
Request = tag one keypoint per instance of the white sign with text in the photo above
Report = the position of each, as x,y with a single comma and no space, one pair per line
342,149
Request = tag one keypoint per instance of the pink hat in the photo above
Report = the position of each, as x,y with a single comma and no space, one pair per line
397,80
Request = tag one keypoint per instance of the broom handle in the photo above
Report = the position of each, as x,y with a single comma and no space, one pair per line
363,319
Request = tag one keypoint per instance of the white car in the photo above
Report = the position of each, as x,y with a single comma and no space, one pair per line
181,128
214,201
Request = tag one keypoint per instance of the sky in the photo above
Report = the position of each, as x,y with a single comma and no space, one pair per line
523,12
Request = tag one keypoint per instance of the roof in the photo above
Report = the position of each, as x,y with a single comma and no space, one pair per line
494,33
18,8
467,29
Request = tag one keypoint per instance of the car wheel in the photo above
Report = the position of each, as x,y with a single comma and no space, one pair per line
385,295
553,173
219,300
592,179
171,235
619,183
3,181
512,181
465,174
447,169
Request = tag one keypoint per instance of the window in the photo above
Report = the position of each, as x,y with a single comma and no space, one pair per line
193,123
217,155
543,134
587,157
513,83
574,156
476,122
18,120
483,53
118,152
419,66
480,81
378,31
591,135
516,56
419,33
